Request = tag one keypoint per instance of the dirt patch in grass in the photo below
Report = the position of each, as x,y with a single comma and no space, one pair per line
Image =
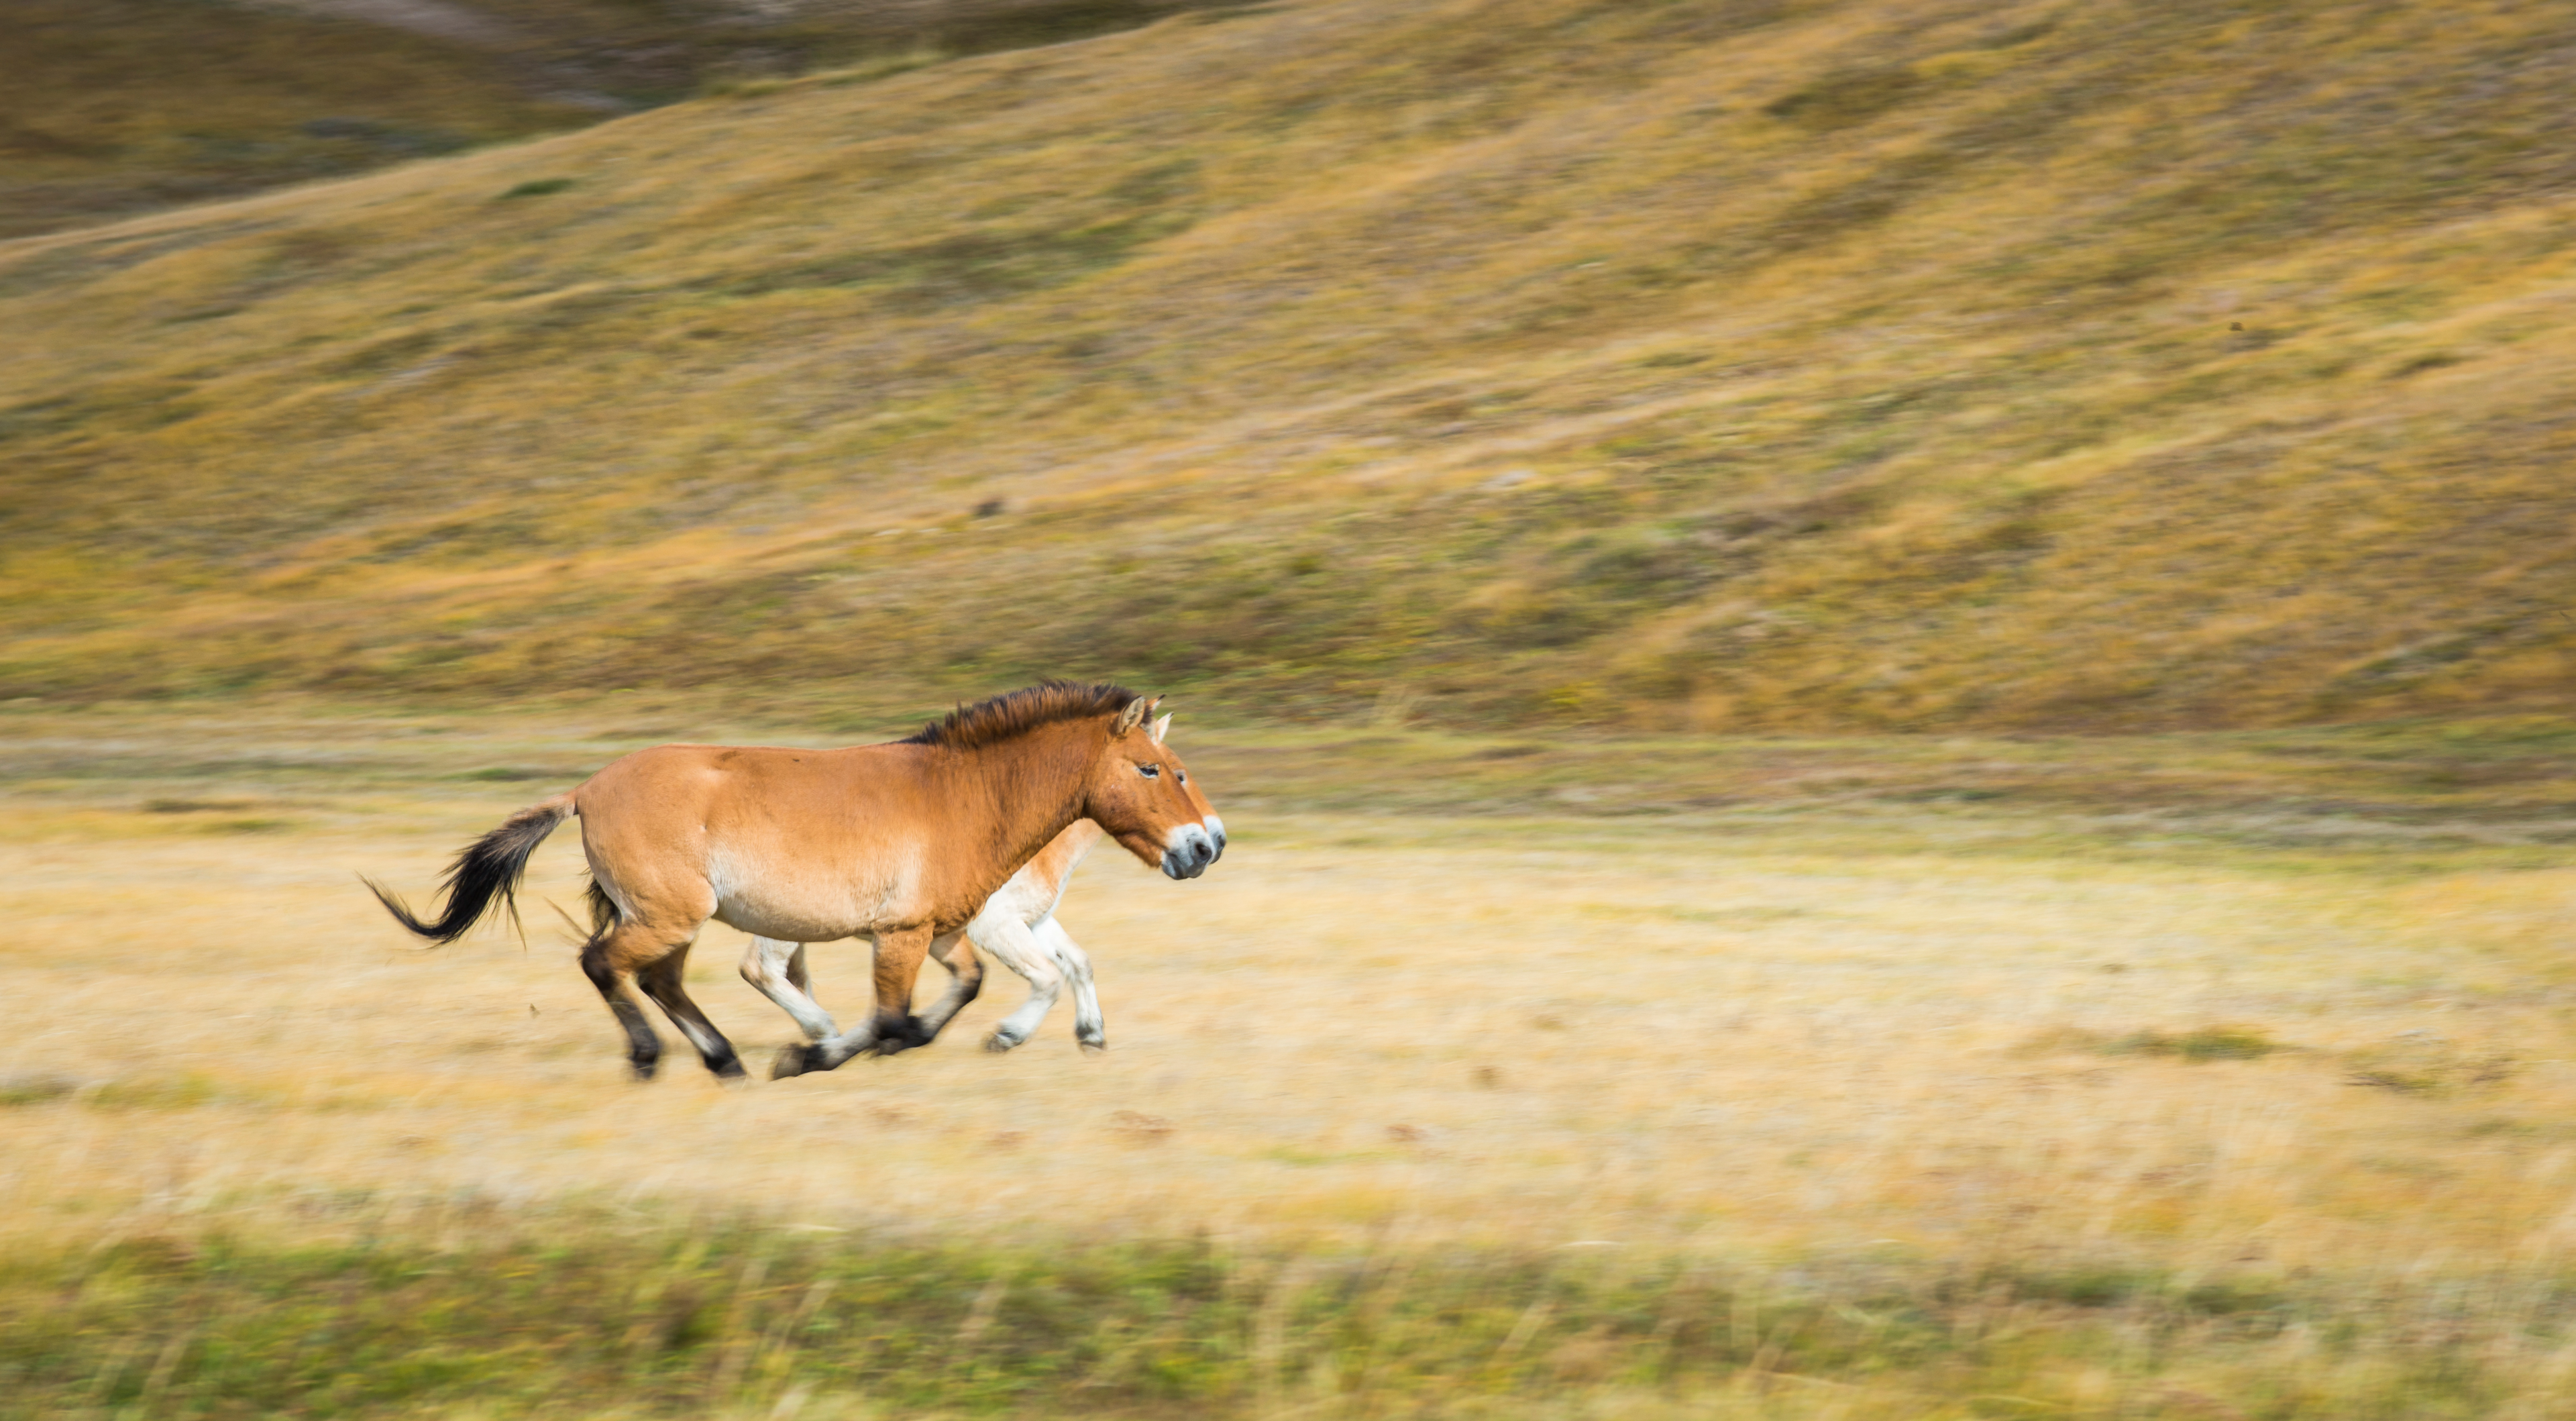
2425,1064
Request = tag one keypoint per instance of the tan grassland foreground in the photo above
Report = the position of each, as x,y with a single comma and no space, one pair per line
2192,1076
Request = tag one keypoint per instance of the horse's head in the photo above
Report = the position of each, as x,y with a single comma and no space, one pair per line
1207,812
1141,793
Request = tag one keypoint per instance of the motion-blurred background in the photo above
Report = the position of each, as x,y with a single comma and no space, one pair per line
1679,365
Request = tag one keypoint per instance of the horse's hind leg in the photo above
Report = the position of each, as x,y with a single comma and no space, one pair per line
1089,1027
643,1047
966,982
661,982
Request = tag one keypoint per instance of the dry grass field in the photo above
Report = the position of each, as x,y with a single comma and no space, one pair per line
2182,1076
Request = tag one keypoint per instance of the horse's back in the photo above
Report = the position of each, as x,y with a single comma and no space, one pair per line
763,779
656,770
795,844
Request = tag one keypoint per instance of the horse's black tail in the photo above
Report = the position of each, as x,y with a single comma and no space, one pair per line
489,868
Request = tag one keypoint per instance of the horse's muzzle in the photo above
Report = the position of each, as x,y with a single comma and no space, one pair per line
1216,831
1189,852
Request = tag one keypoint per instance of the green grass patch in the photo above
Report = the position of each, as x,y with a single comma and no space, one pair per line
186,1090
35,1089
2207,1043
593,1315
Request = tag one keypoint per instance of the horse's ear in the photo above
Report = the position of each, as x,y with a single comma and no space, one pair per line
1129,718
1162,728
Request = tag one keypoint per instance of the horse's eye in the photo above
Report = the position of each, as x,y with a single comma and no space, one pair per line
1149,771
1182,775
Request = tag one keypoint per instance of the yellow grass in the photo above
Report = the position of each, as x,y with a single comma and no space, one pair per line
1809,1030
2149,1076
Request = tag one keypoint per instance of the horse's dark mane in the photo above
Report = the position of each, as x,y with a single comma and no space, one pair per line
1012,713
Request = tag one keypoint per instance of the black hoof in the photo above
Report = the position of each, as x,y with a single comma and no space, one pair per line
728,1069
902,1037
794,1061
645,1066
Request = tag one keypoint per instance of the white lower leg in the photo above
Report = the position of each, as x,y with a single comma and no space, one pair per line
1089,1027
766,964
1007,941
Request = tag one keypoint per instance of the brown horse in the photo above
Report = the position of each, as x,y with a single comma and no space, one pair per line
901,844
1017,928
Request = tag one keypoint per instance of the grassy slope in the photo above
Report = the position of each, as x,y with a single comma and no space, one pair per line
110,107
1879,363
114,107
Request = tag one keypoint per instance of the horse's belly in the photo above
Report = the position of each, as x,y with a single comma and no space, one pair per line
802,902
785,923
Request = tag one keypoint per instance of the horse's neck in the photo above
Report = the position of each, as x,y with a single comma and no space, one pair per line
1033,785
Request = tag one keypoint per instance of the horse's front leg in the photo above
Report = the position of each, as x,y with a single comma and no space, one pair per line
1089,1027
898,967
830,1050
1006,940
966,979
891,1027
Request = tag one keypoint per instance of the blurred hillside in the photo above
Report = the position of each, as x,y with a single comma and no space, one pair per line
113,107
1716,363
